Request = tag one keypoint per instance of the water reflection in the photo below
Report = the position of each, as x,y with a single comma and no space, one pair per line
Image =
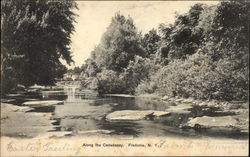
121,128
43,109
83,113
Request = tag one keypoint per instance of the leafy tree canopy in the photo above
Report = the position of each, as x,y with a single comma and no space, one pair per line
35,35
119,44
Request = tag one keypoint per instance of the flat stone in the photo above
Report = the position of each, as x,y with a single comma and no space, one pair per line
189,100
128,115
210,122
20,86
180,108
160,113
165,98
42,103
32,90
171,99
54,134
37,87
14,95
179,100
202,104
6,108
134,114
95,131
7,100
27,124
148,96
121,95
53,91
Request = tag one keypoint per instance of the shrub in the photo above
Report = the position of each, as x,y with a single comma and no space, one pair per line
200,77
138,70
145,87
109,82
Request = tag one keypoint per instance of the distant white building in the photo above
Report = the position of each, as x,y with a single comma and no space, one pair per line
70,76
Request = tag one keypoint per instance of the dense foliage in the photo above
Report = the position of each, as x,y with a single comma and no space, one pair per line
203,54
119,45
35,36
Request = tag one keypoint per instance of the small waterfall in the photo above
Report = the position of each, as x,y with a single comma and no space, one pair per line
71,93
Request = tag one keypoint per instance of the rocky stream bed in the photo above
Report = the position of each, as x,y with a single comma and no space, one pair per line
40,114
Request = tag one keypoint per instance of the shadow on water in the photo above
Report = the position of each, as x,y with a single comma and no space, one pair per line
121,128
44,109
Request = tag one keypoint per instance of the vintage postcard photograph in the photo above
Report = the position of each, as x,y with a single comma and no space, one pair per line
124,78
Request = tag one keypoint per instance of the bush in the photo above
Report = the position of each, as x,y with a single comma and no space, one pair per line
146,87
90,83
200,77
139,70
8,81
109,82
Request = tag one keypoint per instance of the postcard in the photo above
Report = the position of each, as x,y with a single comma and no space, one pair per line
124,78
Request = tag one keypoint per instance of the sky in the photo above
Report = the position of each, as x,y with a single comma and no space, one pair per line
95,16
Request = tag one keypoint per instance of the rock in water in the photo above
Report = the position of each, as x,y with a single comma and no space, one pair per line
42,103
210,122
37,87
134,114
128,115
160,113
189,100
165,98
6,108
180,108
95,131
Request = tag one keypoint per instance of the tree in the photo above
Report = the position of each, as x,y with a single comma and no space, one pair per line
76,70
227,42
150,43
91,68
35,35
223,36
181,39
109,82
138,70
119,44
218,67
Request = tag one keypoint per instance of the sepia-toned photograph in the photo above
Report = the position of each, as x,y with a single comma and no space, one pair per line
124,78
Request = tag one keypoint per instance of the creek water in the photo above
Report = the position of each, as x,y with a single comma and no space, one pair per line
83,113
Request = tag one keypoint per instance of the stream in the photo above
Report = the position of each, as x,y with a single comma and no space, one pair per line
83,113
